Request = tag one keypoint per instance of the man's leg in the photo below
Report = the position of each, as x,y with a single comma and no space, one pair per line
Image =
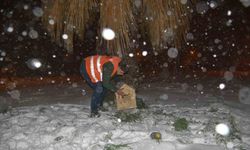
103,96
97,97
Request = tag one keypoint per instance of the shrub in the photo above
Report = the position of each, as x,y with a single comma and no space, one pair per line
181,124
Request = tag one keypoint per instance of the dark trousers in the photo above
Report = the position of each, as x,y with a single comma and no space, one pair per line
99,90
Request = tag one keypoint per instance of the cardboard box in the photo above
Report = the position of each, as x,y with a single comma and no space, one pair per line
128,101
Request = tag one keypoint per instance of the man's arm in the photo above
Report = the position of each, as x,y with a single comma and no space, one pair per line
106,76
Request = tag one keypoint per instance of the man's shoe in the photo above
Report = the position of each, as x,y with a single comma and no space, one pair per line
95,114
101,108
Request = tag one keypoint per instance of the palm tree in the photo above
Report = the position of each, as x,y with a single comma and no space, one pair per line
164,21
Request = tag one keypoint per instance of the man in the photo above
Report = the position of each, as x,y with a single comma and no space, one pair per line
98,71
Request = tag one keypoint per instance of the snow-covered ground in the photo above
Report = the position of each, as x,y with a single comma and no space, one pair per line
57,118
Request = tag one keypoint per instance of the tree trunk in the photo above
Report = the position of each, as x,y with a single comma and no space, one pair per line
132,78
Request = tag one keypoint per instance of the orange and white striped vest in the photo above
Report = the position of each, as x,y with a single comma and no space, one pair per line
94,65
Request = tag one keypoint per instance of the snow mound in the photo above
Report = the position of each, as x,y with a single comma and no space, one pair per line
245,3
68,127
244,95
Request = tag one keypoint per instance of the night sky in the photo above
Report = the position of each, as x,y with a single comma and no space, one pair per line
218,40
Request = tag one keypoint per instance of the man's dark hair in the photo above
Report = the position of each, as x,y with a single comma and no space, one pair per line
123,65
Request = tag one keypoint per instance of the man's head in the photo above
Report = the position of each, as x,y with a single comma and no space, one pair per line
122,67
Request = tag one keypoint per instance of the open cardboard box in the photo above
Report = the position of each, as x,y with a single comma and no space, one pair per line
128,101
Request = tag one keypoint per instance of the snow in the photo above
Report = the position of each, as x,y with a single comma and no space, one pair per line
67,125
222,86
51,21
228,75
199,87
38,12
33,34
190,36
217,41
183,2
202,7
10,29
108,34
138,3
34,63
213,4
245,3
24,33
65,36
164,97
144,53
222,129
229,22
15,94
3,53
169,13
165,65
131,55
172,52
244,95
25,7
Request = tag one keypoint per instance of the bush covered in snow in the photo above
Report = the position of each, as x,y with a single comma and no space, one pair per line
116,147
129,117
3,108
181,124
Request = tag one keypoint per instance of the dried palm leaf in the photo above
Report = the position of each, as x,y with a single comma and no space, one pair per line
70,17
117,15
166,22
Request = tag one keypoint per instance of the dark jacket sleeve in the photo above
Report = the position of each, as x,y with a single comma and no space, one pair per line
107,75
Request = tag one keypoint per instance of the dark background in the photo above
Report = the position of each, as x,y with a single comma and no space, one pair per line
233,49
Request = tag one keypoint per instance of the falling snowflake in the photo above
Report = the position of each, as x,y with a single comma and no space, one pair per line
199,87
34,63
144,53
164,97
202,7
172,52
190,36
245,3
24,33
108,34
222,86
65,36
33,34
10,29
131,55
15,94
38,12
51,21
228,75
183,2
244,95
213,4
138,3
222,129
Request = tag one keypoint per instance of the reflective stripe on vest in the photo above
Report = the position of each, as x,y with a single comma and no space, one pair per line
99,66
94,65
92,68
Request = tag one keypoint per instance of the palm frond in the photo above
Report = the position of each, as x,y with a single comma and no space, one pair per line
166,21
70,17
117,15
